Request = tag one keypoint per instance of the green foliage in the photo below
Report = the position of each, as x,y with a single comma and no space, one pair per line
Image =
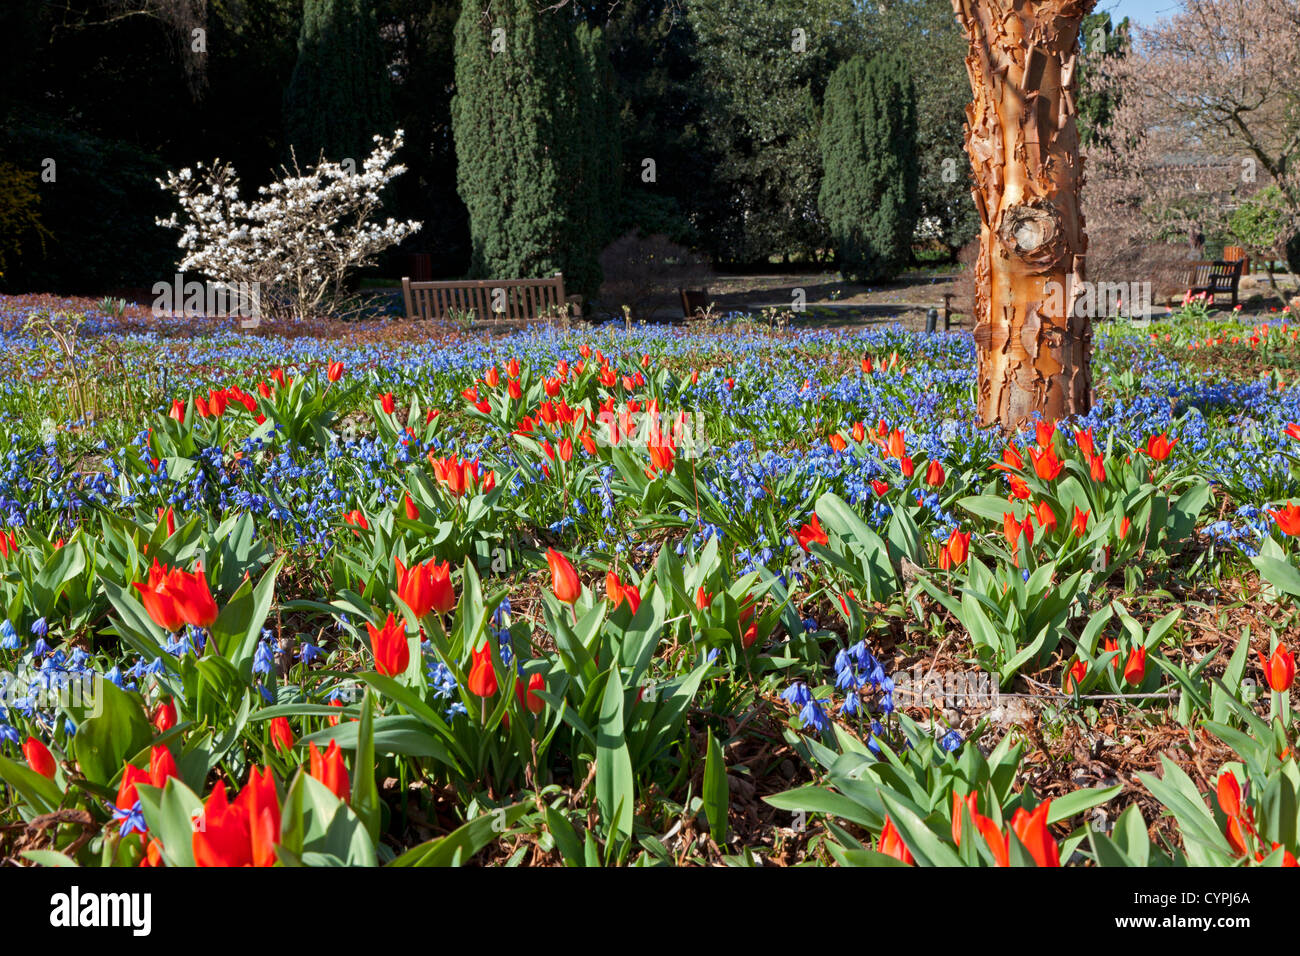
20,219
98,211
762,66
338,96
868,146
925,33
1101,39
535,143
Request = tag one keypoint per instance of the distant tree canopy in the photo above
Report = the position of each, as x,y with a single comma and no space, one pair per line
338,96
868,147
699,120
535,127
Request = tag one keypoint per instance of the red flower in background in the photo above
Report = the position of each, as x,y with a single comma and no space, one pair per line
812,533
891,843
1159,446
330,769
618,592
281,734
39,758
482,675
1288,519
564,579
243,833
1279,669
392,653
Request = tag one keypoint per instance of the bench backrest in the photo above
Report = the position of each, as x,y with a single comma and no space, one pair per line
1221,276
512,299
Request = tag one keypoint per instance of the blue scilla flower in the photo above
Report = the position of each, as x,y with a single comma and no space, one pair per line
114,676
9,734
263,660
8,637
308,652
132,821
951,741
812,715
40,628
40,648
797,694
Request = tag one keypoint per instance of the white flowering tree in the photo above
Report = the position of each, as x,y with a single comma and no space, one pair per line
298,241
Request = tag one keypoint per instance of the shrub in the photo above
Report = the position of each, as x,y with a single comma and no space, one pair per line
297,244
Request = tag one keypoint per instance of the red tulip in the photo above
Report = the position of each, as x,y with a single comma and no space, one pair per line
1080,522
1279,670
527,699
1044,432
1084,440
1046,517
193,599
702,598
126,795
908,468
1097,469
897,444
164,716
425,587
891,843
564,579
1159,446
243,833
934,475
167,516
859,433
837,442
281,734
958,546
957,802
811,534
39,757
1228,793
392,653
1032,830
159,598
879,487
330,770
618,592
1293,430
1046,465
177,412
1136,667
1124,525
162,765
1288,519
1074,675
335,371
387,402
482,675
412,512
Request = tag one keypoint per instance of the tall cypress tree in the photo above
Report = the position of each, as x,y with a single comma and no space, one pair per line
533,142
869,187
338,97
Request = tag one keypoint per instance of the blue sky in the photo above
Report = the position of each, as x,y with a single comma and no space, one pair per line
1144,12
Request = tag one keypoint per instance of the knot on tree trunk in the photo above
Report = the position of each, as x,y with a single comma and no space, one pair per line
1032,233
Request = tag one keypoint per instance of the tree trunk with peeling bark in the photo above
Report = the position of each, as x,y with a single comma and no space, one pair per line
1023,143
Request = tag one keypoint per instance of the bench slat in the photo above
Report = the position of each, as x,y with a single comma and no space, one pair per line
524,299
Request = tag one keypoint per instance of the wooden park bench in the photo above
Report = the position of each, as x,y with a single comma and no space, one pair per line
1215,278
509,299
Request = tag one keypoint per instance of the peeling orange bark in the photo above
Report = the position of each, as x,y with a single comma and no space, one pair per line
1023,143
